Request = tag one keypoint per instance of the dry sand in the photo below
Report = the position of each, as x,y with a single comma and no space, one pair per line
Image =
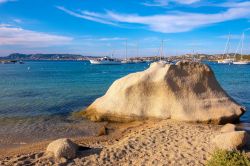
164,142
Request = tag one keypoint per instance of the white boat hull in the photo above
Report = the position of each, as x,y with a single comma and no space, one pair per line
241,63
138,61
104,62
132,61
226,61
127,62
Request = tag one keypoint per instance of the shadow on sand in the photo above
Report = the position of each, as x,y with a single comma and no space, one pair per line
86,151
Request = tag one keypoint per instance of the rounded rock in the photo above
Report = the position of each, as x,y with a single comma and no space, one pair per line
62,148
230,140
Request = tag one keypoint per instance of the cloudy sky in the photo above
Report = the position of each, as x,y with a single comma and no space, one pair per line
100,27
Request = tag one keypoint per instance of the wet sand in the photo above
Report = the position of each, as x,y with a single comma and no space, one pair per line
139,143
17,132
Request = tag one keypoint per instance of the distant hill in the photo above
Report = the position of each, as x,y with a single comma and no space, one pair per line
18,56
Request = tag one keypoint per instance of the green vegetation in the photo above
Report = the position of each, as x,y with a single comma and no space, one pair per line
43,56
244,57
228,158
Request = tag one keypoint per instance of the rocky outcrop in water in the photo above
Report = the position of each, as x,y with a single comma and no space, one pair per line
186,91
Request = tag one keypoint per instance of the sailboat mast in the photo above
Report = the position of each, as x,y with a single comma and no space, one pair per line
137,50
193,56
126,49
162,50
242,45
238,47
227,45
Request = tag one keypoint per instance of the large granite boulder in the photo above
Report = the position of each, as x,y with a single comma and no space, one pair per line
186,91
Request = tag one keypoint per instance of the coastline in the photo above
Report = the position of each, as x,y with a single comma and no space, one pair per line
150,142
146,142
115,131
20,132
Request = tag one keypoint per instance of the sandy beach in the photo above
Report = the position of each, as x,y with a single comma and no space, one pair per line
164,142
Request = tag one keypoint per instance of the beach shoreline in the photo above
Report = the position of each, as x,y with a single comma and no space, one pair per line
142,142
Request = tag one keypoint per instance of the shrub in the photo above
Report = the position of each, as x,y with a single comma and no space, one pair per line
228,158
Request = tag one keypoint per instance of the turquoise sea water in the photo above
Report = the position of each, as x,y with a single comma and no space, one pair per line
55,87
37,97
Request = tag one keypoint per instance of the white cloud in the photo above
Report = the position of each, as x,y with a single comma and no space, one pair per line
4,1
247,29
235,4
96,39
17,20
166,2
86,15
186,1
165,23
180,22
18,36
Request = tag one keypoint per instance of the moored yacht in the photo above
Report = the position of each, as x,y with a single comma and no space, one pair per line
241,61
228,59
161,53
105,61
127,60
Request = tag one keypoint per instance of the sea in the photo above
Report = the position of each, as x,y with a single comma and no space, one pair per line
38,98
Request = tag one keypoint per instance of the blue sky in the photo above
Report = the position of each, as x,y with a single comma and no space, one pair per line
100,27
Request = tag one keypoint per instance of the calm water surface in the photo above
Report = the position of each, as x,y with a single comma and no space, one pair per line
37,97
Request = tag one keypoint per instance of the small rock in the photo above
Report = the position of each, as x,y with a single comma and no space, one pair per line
62,148
228,128
230,140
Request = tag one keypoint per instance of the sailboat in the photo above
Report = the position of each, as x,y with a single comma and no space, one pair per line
241,61
228,60
161,53
126,60
138,60
194,55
